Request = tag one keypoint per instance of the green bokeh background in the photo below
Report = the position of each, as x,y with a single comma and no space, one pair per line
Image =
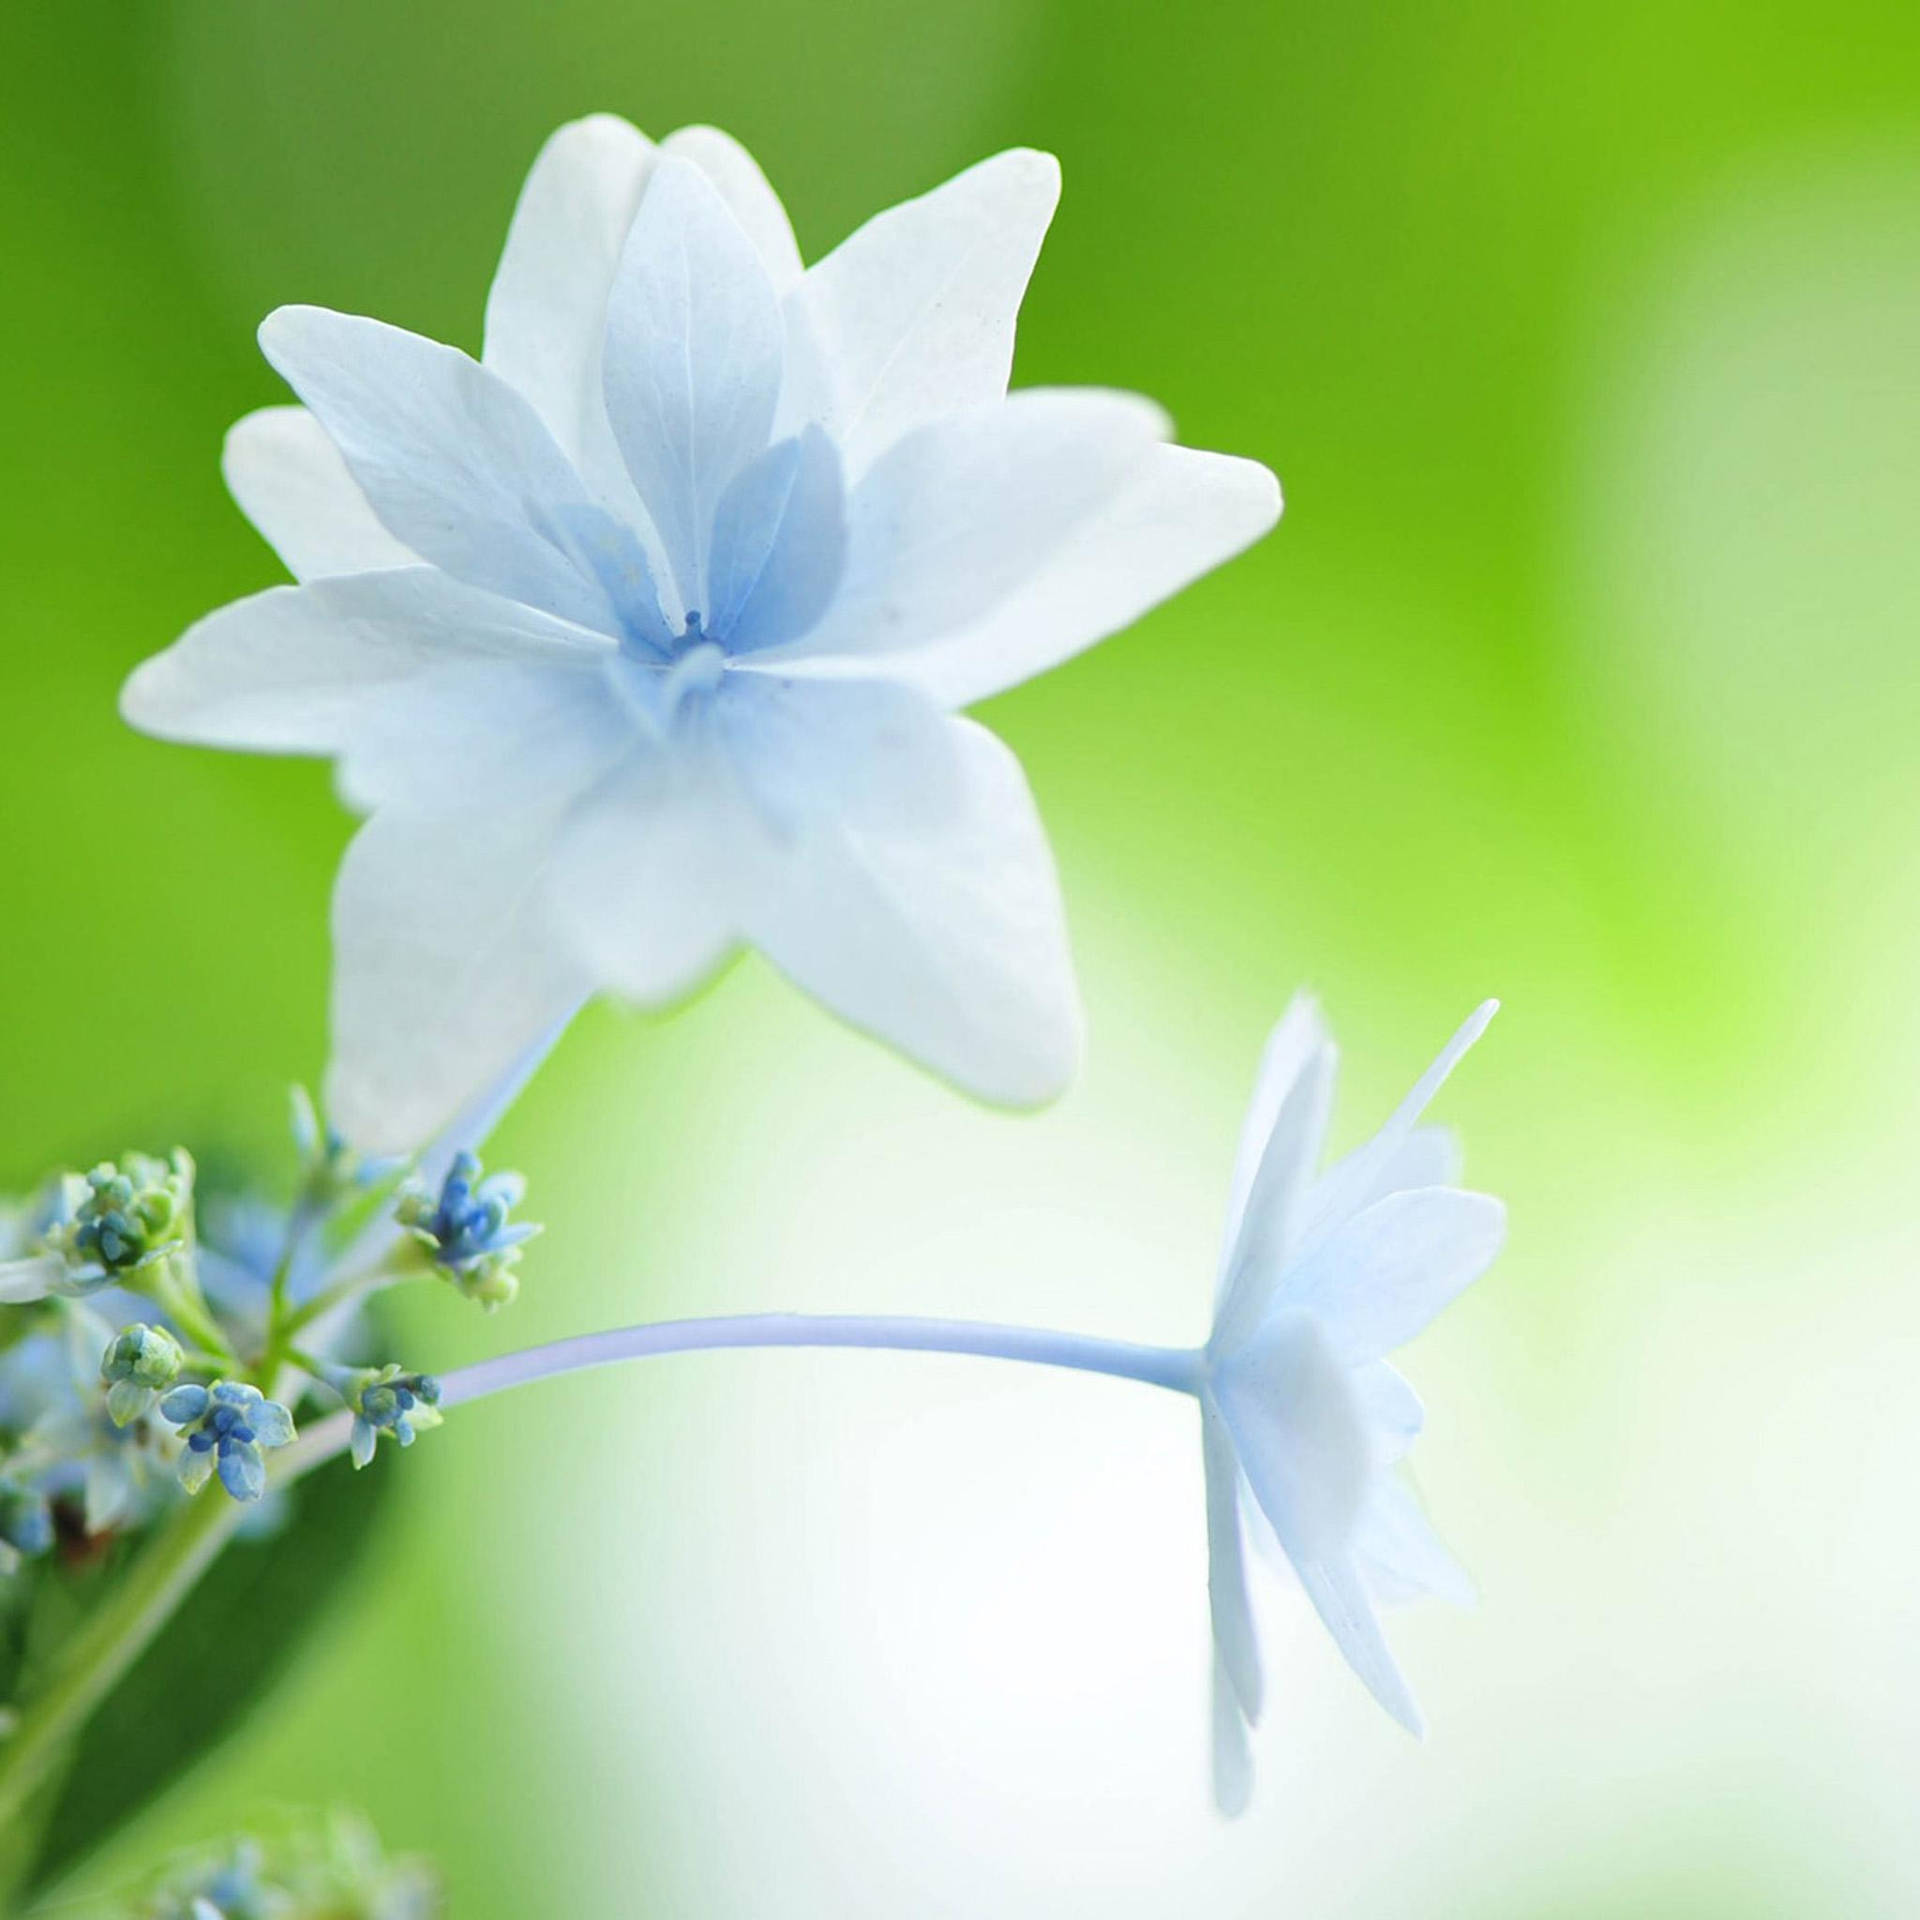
1586,341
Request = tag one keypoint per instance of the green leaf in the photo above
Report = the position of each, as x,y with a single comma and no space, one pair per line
214,1660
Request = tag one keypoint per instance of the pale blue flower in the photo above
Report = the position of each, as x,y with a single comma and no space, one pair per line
644,637
1304,1424
389,1400
467,1230
226,1426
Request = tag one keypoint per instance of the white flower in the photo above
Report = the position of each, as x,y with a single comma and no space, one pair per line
643,636
1303,1422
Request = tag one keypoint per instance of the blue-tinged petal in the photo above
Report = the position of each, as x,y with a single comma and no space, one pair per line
458,466
184,1405
451,969
291,482
913,315
196,1468
1232,1760
1364,1173
651,873
547,309
1256,1259
1399,1553
315,669
1392,1409
1236,1645
1339,1596
779,545
243,1471
960,514
1300,1433
1424,1157
737,178
1183,513
1300,1032
34,1278
926,911
692,363
1378,1279
272,1424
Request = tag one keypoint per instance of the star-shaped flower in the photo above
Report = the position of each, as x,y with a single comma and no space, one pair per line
643,637
1303,1421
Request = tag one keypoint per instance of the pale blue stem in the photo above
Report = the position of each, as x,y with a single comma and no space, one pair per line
1176,1368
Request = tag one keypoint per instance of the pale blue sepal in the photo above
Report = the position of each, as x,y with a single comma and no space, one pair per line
1299,1431
1258,1260
1379,1279
453,461
1349,1186
1230,1610
1401,1555
22,1281
693,359
779,545
1340,1598
1232,1758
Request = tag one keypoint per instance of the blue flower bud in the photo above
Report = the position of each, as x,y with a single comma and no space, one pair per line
467,1231
386,1400
226,1427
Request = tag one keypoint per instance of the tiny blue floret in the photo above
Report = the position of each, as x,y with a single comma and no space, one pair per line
226,1427
467,1232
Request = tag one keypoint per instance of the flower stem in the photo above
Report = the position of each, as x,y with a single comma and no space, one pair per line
1175,1368
111,1640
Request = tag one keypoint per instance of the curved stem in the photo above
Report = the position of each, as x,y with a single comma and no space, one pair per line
1174,1368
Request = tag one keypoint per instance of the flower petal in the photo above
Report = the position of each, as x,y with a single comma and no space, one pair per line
1425,1157
450,972
1392,1409
34,1278
1376,1281
272,1424
1339,1596
1183,514
291,482
1299,1432
1401,1555
693,359
913,315
307,669
649,875
547,309
779,544
1280,1145
1232,1761
1236,1645
962,513
917,897
456,464
1365,1172
737,178
243,1471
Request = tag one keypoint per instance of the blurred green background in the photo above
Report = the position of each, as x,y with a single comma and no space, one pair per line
1586,341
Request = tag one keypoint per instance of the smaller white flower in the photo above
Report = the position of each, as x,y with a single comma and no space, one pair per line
1303,1422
